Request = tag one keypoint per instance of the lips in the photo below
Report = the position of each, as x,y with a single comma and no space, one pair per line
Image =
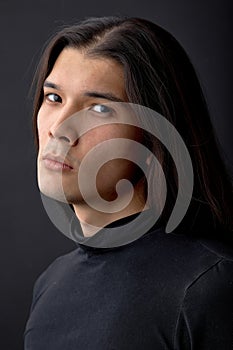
56,162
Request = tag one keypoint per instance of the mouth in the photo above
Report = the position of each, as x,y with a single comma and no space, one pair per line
56,163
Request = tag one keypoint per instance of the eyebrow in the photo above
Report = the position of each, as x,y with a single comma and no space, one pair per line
105,95
97,94
49,84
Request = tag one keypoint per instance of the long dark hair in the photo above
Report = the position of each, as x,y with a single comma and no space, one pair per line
159,75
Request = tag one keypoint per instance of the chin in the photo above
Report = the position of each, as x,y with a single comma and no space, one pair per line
52,189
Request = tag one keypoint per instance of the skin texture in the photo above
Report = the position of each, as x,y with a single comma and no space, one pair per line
68,90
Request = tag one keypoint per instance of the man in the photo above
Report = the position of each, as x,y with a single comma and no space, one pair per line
146,289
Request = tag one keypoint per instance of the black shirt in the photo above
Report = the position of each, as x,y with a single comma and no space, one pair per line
162,291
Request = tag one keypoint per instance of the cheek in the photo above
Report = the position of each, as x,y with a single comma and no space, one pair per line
42,126
108,132
113,168
41,120
112,172
119,166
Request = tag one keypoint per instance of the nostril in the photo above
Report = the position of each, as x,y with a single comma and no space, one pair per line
67,136
60,137
66,139
75,143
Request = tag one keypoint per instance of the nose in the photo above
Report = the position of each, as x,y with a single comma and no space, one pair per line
65,127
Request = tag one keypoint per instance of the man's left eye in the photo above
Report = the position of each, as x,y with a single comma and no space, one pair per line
101,109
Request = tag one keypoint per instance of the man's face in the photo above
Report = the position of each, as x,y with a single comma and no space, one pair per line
79,92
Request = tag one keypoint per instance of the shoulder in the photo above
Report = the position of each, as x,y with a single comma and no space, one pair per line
175,260
205,314
205,318
214,286
214,247
53,273
180,261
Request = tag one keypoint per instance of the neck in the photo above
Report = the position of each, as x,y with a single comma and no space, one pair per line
92,220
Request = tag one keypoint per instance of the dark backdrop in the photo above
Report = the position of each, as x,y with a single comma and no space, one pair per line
29,241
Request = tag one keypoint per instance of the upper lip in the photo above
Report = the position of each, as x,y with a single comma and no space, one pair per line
57,158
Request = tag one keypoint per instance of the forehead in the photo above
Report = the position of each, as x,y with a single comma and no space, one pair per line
73,68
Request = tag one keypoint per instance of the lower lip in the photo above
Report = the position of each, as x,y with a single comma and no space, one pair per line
54,165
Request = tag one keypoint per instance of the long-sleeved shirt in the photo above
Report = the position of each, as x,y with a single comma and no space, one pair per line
161,291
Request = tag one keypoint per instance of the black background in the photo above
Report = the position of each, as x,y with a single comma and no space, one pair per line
29,241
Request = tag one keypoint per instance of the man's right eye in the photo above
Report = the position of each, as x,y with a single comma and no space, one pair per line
51,97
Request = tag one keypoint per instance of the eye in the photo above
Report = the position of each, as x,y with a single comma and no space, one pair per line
51,97
102,109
